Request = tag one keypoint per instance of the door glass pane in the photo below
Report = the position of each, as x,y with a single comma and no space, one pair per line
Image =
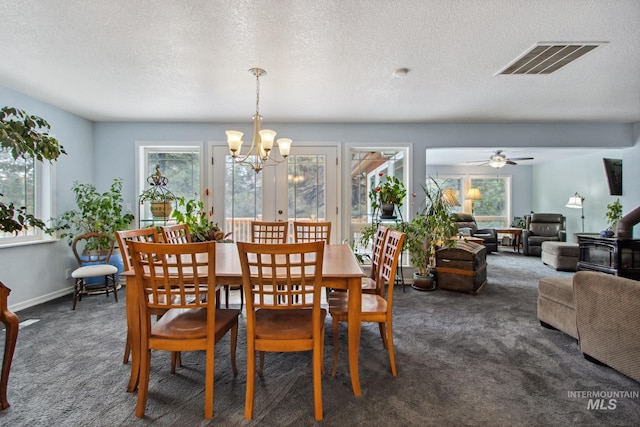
306,183
240,211
368,168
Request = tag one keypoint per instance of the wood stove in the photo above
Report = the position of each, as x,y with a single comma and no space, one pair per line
620,257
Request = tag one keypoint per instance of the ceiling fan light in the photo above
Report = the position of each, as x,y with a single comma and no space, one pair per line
497,163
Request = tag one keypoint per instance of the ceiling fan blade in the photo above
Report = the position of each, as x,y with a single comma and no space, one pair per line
476,161
511,162
520,158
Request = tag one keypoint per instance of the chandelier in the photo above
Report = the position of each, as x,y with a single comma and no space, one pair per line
260,151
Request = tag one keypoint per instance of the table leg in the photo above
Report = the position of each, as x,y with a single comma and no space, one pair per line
355,307
133,332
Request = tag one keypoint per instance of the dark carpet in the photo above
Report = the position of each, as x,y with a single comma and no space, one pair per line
462,360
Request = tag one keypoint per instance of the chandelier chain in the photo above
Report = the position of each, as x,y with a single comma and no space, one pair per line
258,93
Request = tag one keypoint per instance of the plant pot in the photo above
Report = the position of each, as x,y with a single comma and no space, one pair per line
424,283
161,209
387,210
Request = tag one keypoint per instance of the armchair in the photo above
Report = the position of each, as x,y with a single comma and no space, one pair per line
542,227
488,235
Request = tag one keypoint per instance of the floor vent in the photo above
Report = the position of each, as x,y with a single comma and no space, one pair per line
546,58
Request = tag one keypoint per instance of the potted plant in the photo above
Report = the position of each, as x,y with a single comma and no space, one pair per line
194,215
96,212
388,196
159,197
431,228
24,136
160,203
613,215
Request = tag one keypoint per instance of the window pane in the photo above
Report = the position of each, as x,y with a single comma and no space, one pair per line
243,199
492,210
181,169
306,178
17,185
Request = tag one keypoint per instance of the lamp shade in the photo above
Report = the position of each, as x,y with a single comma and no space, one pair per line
449,197
575,201
474,194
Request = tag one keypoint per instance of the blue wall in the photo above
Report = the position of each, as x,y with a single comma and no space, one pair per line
98,152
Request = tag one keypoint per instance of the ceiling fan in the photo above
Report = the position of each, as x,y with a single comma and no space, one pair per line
498,160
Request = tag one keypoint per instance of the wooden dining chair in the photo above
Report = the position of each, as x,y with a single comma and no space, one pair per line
175,233
150,235
269,232
312,231
375,307
182,280
282,285
262,232
370,283
93,251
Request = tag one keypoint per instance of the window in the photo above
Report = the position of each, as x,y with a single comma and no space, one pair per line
180,164
26,182
493,209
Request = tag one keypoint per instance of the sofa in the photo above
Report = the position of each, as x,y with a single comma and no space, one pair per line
466,224
542,227
602,312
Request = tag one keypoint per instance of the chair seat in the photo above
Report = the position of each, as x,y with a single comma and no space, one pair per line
190,323
94,271
339,303
368,283
285,324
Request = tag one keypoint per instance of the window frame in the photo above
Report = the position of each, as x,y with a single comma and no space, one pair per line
43,182
144,148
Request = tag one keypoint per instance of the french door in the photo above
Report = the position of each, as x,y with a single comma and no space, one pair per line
302,188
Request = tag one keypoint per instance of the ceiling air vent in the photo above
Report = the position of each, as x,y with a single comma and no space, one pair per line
545,58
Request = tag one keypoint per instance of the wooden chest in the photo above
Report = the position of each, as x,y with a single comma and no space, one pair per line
462,268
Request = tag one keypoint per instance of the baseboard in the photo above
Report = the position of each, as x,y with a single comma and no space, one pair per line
41,299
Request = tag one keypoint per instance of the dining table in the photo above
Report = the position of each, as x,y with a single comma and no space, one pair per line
340,270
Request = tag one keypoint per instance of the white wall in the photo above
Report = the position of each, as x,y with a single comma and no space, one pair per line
36,273
554,182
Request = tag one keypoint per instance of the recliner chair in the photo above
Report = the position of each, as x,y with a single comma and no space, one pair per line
488,235
542,227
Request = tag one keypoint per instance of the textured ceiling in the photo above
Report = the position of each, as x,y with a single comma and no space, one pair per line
327,60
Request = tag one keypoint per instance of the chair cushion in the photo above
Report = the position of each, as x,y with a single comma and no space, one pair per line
286,324
94,271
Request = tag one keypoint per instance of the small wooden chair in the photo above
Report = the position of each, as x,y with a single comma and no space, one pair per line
176,233
93,263
149,235
269,232
312,231
370,284
11,326
282,284
182,280
375,308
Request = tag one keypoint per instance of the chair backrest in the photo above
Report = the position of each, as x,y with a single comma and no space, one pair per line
389,263
281,276
175,233
312,231
149,234
269,232
376,253
174,276
93,248
465,220
546,224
